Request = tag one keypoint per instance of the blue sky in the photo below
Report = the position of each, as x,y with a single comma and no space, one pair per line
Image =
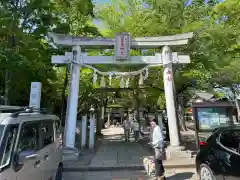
189,2
97,22
100,1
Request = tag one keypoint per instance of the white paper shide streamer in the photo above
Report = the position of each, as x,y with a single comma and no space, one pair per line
110,78
122,82
102,82
142,73
127,83
94,77
146,74
141,79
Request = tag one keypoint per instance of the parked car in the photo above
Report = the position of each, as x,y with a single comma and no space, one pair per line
29,145
219,156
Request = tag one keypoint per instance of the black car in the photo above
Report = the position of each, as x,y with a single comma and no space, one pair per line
219,156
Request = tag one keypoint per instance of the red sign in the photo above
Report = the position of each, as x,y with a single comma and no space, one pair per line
169,74
122,45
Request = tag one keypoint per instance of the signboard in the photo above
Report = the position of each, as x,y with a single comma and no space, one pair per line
122,46
211,118
35,95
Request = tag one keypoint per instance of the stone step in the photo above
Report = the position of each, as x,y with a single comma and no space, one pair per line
180,163
181,154
70,154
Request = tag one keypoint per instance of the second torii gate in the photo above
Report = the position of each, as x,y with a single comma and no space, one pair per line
122,45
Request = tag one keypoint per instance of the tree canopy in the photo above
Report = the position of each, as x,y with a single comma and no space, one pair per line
25,51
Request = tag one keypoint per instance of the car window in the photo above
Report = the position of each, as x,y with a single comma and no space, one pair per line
231,139
47,132
29,137
8,143
1,130
2,127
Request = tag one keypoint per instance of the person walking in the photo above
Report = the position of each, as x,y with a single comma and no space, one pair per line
131,119
126,127
136,130
159,149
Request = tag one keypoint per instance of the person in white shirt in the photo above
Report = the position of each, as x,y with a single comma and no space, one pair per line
159,149
126,127
131,119
136,127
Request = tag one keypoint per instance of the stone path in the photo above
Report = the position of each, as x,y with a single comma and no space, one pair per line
114,152
118,160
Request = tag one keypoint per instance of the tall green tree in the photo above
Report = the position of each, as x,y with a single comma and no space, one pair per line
25,54
212,25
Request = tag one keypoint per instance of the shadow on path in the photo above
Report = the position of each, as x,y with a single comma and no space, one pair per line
115,153
182,176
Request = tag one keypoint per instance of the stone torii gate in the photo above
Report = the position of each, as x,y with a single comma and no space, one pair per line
122,44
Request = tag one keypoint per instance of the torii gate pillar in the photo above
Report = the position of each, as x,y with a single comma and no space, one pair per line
169,96
72,104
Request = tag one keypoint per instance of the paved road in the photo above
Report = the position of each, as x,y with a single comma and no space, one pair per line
127,175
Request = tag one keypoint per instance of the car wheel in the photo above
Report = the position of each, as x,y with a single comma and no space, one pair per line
206,173
59,173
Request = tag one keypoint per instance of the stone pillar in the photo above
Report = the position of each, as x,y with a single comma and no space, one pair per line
109,116
92,131
71,116
169,96
160,120
102,118
102,112
84,131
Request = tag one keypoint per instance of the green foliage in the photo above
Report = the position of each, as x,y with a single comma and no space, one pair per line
24,49
25,53
214,51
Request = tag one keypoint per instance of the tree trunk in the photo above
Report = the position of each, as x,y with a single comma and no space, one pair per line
98,121
64,103
6,92
136,98
100,116
181,114
137,106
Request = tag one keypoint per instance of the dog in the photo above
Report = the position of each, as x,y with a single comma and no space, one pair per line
149,166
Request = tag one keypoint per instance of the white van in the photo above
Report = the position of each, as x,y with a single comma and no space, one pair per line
29,145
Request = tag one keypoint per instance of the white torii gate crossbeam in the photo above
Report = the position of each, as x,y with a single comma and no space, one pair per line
143,42
157,59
